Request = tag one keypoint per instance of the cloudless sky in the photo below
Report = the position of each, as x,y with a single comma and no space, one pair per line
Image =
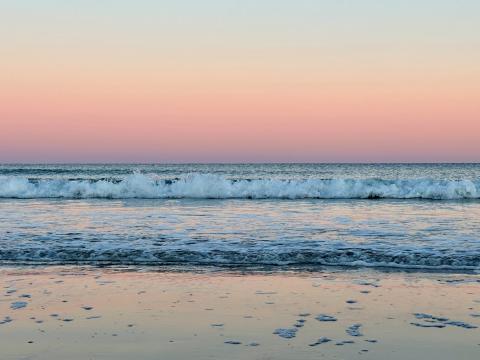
239,81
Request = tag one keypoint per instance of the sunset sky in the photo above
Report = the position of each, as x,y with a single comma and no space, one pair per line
239,81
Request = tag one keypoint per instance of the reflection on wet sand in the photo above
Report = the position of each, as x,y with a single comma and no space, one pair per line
91,313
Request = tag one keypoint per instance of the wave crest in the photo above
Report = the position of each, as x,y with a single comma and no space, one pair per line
209,186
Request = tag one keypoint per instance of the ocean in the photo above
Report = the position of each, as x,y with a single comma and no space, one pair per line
287,216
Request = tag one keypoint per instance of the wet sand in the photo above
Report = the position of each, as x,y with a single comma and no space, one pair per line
90,313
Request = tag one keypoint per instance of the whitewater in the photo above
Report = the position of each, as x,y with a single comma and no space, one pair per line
210,186
395,216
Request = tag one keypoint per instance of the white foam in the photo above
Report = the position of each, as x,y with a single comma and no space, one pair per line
206,186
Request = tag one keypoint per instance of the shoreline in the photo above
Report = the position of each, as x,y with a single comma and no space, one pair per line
241,269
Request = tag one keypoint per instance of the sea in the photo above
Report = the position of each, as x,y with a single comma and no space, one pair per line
397,217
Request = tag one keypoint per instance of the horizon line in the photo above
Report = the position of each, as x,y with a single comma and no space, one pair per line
253,163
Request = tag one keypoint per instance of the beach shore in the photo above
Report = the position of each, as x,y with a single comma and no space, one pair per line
91,313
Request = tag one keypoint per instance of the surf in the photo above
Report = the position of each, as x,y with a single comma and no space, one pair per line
212,186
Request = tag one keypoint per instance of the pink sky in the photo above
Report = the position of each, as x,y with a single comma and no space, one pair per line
75,91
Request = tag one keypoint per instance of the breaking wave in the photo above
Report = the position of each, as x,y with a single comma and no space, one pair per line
209,186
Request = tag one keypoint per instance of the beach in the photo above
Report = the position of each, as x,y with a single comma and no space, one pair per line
240,180
124,313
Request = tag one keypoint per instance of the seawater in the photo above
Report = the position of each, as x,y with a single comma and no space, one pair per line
421,216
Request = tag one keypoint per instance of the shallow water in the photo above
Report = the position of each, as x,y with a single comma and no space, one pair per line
99,214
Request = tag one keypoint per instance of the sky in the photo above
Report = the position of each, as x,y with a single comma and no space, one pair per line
239,81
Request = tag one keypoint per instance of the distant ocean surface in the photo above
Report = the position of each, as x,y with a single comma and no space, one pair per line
419,216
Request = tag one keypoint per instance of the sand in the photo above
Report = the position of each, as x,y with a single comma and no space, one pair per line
90,313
